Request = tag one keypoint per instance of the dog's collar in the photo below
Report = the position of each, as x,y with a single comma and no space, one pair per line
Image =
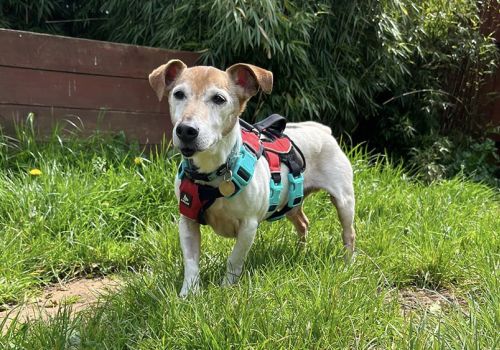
191,171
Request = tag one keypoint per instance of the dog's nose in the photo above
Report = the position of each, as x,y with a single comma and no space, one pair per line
186,133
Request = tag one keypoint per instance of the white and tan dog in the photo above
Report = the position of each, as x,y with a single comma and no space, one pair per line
205,104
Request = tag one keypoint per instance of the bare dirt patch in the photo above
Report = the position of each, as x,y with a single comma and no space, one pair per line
433,301
80,294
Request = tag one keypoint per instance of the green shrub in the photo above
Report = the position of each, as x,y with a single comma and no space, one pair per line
390,72
38,16
475,158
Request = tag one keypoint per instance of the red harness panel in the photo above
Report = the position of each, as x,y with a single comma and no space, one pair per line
281,145
274,162
190,204
251,139
273,150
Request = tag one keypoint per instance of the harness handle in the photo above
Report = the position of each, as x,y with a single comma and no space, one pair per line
275,125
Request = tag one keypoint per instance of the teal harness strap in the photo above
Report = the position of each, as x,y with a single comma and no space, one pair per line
240,164
275,187
295,196
243,169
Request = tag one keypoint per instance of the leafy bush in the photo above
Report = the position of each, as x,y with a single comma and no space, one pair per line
39,16
390,72
475,158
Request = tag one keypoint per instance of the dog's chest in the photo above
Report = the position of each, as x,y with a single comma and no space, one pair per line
224,217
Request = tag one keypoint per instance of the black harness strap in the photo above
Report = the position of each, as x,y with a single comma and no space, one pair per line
274,124
208,194
195,175
280,213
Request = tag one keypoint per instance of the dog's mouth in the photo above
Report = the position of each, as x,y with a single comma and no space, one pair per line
188,151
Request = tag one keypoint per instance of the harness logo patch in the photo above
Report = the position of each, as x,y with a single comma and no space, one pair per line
186,199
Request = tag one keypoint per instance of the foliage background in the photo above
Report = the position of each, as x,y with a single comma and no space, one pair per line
404,76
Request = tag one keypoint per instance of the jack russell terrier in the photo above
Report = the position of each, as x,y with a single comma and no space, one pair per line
233,177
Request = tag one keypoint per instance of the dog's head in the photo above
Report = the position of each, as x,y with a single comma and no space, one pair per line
205,102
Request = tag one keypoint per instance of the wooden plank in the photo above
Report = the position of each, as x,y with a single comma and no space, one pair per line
50,52
60,89
146,128
100,84
490,102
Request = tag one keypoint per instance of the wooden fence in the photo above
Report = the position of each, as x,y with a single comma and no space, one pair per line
90,83
104,85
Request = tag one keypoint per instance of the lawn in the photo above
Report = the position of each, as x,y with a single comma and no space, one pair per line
425,275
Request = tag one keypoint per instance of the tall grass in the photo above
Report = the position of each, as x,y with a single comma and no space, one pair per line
94,210
83,215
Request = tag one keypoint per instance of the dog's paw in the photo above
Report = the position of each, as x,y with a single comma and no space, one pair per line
189,289
229,280
349,257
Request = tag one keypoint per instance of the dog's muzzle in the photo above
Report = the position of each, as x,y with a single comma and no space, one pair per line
187,134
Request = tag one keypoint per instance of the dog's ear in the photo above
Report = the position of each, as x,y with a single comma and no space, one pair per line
163,77
249,79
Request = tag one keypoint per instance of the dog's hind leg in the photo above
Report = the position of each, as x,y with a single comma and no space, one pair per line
345,211
341,193
335,176
300,221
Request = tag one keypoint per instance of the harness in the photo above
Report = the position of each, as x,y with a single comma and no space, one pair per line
265,138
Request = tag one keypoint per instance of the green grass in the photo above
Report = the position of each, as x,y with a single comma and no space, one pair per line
94,211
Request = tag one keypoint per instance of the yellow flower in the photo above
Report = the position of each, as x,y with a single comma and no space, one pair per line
138,160
35,172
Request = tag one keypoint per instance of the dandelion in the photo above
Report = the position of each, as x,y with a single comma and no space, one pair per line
35,172
138,160
435,308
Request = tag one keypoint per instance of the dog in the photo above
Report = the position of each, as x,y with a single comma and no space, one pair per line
205,105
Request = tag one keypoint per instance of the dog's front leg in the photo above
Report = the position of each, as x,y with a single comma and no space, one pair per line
244,241
190,238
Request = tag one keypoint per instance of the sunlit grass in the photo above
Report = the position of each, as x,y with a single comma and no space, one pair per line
100,205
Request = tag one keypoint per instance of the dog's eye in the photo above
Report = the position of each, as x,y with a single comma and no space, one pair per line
218,99
179,95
